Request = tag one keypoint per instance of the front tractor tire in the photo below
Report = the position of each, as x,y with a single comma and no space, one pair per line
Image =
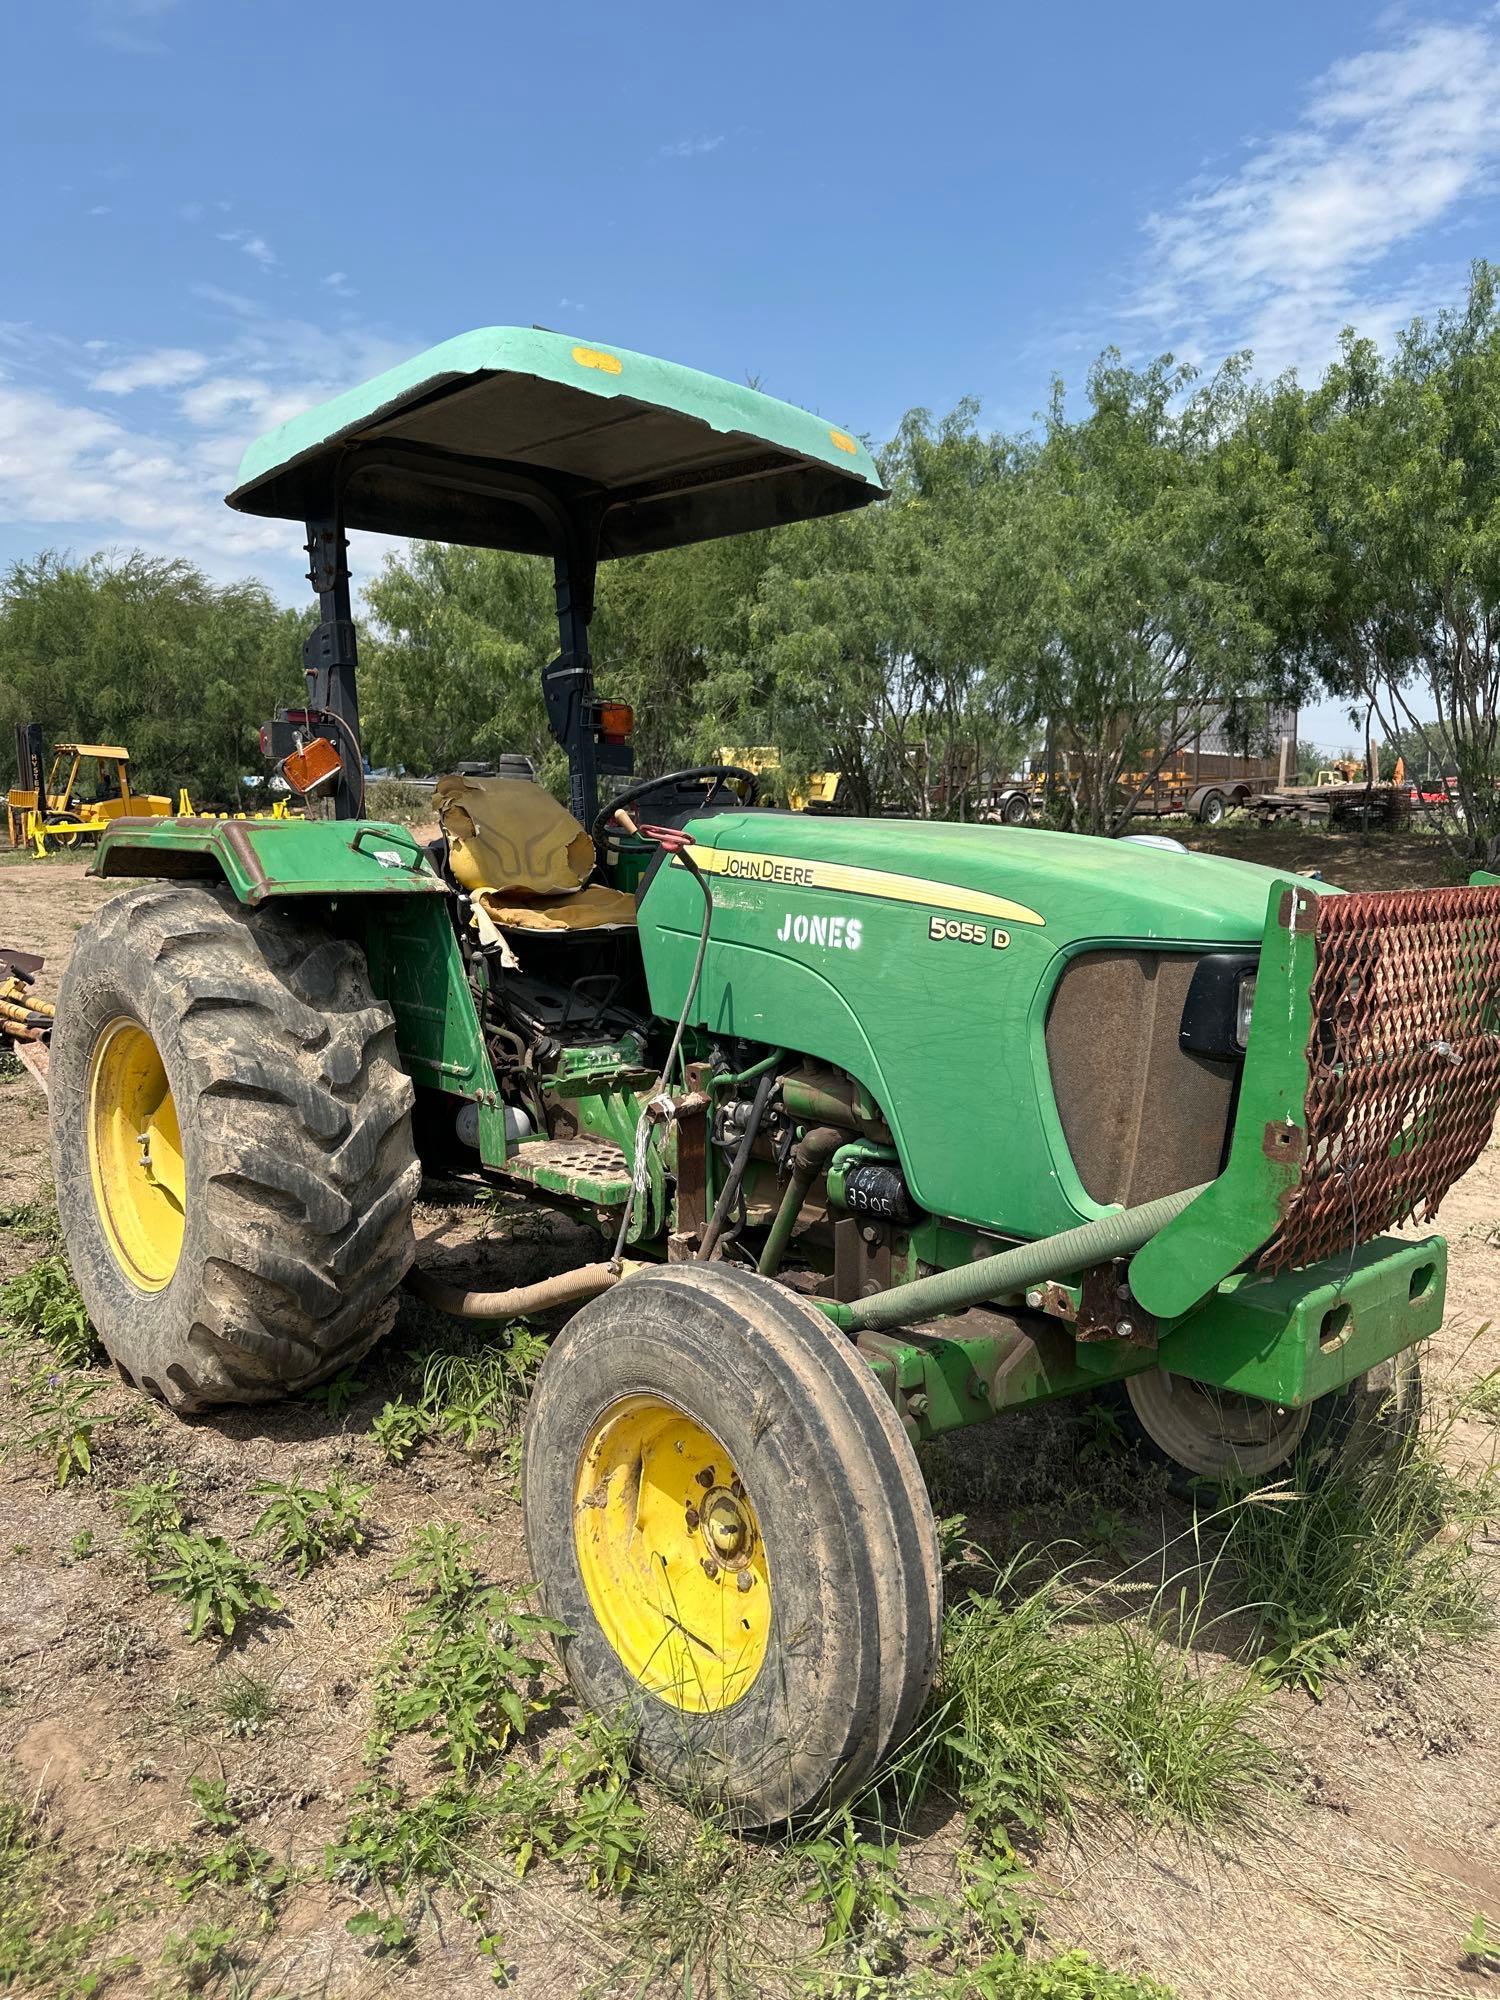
232,1146
723,1511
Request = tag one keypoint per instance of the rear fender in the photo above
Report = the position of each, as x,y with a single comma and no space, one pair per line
261,859
377,884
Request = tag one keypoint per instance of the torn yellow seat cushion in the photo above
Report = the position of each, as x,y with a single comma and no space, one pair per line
585,910
509,837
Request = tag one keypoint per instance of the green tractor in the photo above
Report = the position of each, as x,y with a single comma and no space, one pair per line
889,1127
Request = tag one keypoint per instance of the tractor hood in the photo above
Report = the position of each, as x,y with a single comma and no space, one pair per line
1037,980
1069,886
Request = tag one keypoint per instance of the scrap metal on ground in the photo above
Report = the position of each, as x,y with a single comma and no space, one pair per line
25,1018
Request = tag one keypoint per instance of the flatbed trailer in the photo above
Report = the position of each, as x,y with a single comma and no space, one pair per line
1333,805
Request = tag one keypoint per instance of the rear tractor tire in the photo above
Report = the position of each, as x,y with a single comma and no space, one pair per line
232,1146
1201,1434
723,1510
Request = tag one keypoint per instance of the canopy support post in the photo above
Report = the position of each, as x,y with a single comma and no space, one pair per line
330,657
568,684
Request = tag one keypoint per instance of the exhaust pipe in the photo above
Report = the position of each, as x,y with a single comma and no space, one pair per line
566,1289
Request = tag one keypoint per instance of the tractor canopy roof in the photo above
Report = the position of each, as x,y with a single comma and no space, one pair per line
653,454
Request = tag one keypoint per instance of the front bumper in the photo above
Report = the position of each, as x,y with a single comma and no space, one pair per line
1294,1336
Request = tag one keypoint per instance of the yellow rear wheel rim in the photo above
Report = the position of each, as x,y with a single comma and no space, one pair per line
670,1552
135,1154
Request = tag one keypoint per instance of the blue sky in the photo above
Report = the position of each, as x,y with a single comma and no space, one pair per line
218,213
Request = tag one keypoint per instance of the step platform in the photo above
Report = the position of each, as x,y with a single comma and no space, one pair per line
587,1169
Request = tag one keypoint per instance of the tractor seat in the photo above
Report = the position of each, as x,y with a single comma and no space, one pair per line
523,858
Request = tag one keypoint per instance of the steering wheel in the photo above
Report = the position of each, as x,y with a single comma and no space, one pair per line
714,778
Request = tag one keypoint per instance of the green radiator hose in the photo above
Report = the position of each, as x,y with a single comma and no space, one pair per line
1113,1235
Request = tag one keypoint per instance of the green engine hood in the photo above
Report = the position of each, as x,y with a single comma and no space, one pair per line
1074,885
923,958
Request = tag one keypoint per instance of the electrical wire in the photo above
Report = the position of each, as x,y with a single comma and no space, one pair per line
330,715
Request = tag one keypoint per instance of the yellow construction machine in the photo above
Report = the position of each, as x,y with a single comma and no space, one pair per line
87,786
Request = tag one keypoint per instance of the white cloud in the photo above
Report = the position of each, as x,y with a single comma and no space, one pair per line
100,208
71,467
688,149
1304,237
338,283
251,245
72,471
161,368
233,302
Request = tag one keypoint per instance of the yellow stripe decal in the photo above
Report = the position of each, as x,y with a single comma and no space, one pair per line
784,871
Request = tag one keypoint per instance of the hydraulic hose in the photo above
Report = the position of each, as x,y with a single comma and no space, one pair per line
566,1289
1115,1235
810,1155
737,1167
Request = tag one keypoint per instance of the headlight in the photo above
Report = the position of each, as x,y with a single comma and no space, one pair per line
1243,1009
1216,1014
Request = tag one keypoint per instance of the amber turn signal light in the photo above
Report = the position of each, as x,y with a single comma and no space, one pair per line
316,764
616,721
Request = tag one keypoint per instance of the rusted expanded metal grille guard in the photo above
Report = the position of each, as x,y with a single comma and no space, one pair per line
1403,1063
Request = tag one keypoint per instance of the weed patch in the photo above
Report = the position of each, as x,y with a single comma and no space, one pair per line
200,1957
338,1392
471,1668
1041,1708
1482,1400
1371,1567
1480,1950
63,1421
475,1400
34,1221
308,1524
246,1703
218,1588
150,1509
43,1303
42,1949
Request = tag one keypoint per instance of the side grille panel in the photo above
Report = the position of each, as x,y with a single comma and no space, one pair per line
1141,1116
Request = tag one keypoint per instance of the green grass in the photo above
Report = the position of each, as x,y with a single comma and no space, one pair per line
246,1703
46,1944
34,1221
474,1399
1482,1400
1370,1568
43,1303
1043,1709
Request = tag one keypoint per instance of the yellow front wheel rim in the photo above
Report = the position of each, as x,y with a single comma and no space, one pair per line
135,1154
670,1552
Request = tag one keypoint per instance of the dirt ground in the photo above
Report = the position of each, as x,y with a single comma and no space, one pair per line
1360,1878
